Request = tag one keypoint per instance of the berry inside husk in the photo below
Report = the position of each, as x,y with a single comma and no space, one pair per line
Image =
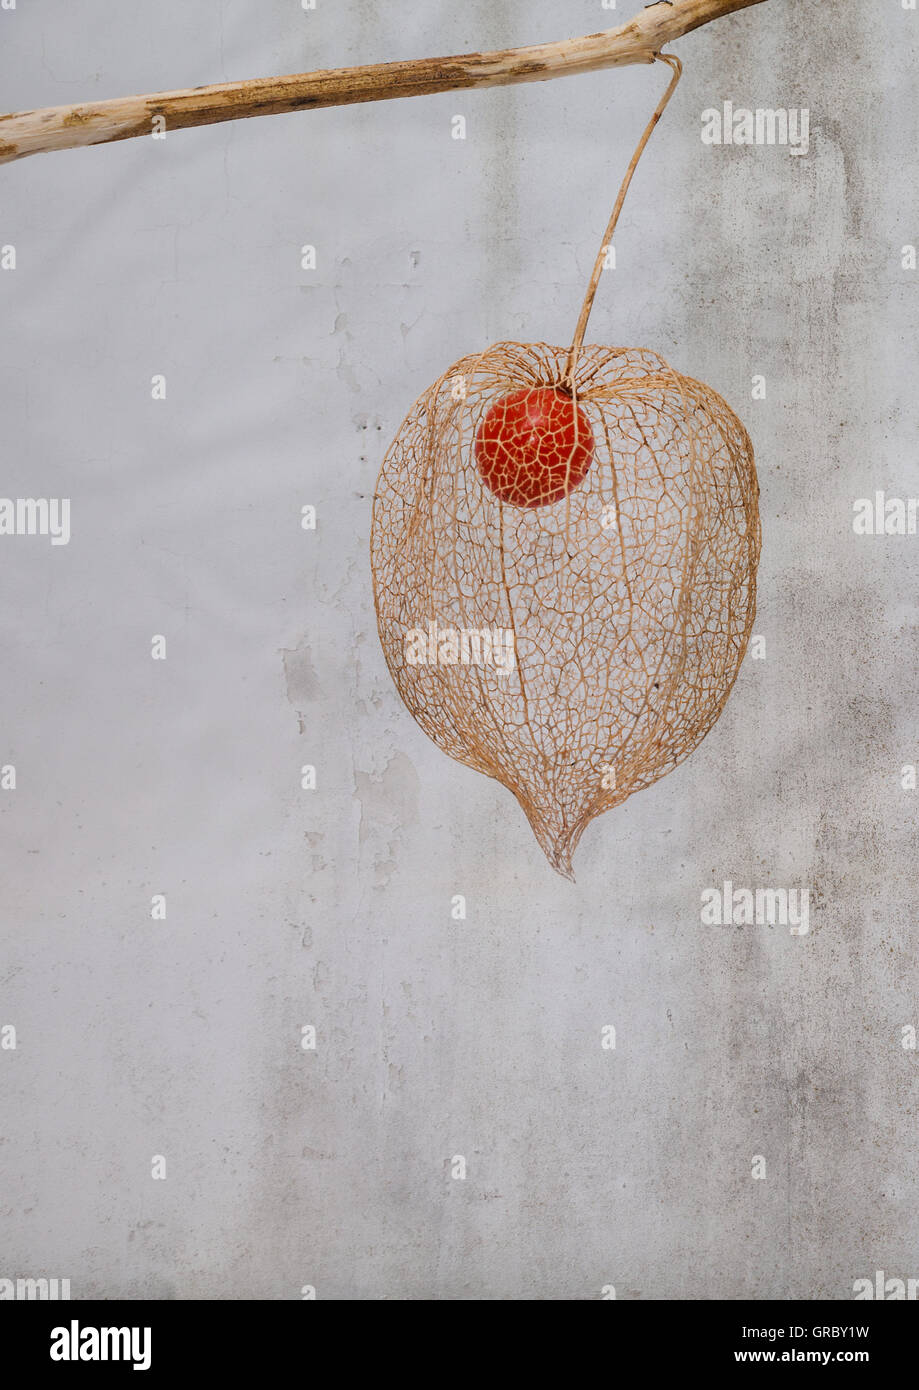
533,446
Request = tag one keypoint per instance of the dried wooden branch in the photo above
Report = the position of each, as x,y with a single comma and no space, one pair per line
99,122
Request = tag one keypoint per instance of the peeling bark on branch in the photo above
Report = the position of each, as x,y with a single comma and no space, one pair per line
97,123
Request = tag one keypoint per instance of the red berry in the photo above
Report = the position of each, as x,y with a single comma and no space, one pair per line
533,446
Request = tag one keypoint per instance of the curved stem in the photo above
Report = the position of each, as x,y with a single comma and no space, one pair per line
586,307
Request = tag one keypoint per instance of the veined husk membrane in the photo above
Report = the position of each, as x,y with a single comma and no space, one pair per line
629,602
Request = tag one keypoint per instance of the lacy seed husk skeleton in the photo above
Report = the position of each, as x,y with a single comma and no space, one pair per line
627,601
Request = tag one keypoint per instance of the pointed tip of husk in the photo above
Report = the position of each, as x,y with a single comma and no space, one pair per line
558,848
563,868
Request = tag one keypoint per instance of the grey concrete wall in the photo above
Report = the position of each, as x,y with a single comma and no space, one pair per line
586,1167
